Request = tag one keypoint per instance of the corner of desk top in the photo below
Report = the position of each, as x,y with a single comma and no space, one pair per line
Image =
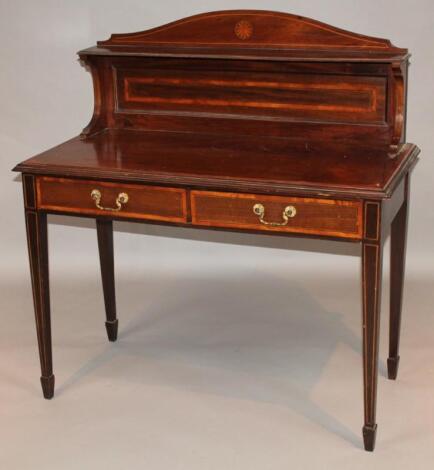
408,165
18,168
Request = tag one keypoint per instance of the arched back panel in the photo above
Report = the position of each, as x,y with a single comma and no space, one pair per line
248,72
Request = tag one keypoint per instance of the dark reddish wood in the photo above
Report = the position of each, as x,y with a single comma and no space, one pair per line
346,56
199,119
398,95
104,229
98,121
36,226
143,94
29,191
316,216
282,100
302,117
326,98
250,28
372,218
391,206
171,64
152,202
262,165
308,132
369,436
397,266
371,299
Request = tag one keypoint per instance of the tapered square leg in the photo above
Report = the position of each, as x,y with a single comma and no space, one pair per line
372,249
372,271
397,265
105,244
36,225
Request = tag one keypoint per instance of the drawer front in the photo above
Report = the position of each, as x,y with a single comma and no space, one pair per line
127,200
325,217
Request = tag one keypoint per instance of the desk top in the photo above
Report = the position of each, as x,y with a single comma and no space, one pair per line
261,164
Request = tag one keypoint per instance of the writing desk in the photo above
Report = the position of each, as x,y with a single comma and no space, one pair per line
242,120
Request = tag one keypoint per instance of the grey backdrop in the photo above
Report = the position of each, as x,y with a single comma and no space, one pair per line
46,97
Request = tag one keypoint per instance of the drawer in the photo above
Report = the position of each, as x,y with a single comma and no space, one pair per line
326,217
111,199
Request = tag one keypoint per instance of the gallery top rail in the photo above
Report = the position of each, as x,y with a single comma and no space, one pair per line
250,34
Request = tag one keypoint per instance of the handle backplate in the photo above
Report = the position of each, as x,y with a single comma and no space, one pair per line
288,212
121,199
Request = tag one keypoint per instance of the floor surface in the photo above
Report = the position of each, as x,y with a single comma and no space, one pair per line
251,370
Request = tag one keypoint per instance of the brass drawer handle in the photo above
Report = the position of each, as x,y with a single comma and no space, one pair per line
288,212
121,199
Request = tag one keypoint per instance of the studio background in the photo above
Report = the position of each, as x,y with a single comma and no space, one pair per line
235,351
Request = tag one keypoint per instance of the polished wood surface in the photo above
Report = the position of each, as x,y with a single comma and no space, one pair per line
371,302
154,203
397,263
37,239
252,32
198,121
258,98
261,28
303,96
104,229
297,77
222,162
315,216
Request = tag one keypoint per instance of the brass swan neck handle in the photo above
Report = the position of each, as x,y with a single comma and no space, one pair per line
288,212
121,199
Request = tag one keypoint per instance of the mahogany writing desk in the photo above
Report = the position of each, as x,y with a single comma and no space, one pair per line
254,121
